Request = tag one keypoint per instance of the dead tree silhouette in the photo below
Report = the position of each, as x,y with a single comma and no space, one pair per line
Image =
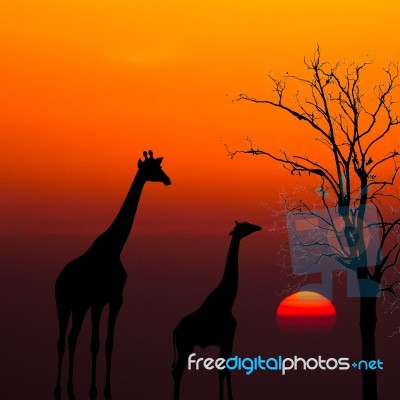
349,118
213,323
97,278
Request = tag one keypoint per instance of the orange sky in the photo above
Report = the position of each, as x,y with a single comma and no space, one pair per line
86,86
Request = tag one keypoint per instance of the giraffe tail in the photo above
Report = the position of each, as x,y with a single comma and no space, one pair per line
174,345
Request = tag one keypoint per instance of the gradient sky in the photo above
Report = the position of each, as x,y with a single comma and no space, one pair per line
85,87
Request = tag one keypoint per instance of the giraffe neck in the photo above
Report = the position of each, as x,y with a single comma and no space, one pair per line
114,238
230,279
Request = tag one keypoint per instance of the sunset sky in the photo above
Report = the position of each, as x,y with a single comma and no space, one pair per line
86,86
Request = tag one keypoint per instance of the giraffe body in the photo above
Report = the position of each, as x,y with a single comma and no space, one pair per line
101,281
97,278
213,324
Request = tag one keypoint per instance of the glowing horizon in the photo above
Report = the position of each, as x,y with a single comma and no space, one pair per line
306,311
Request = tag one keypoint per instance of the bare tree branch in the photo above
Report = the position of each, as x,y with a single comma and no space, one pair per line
349,120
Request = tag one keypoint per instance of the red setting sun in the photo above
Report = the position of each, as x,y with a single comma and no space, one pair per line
306,311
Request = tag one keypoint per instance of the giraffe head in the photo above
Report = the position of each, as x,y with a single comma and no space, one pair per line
243,229
151,169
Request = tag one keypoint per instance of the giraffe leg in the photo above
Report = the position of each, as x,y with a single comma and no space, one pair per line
77,320
63,314
221,376
184,351
225,374
226,352
94,347
115,306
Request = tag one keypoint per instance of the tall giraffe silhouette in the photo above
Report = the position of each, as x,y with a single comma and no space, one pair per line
97,278
213,323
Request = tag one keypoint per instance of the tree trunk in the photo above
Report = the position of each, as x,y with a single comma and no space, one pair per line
367,328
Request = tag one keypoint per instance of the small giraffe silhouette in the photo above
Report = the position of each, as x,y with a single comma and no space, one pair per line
213,323
97,278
